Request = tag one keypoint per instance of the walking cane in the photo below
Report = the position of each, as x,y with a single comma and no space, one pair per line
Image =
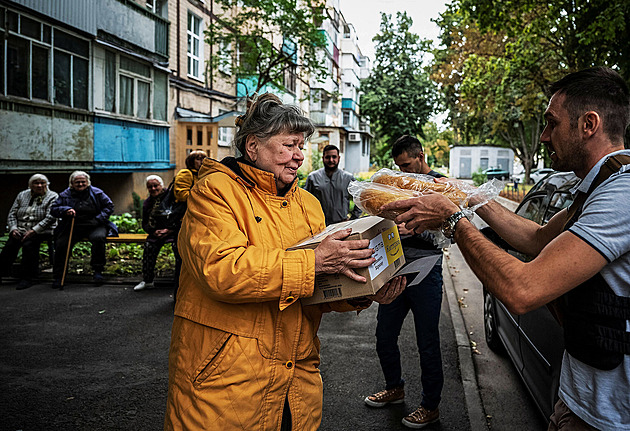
65,265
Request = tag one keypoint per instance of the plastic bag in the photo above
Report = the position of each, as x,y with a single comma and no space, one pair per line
387,185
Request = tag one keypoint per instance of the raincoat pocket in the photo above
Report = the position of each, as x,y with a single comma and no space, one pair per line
214,357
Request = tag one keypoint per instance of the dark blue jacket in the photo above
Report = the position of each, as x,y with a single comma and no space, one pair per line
66,201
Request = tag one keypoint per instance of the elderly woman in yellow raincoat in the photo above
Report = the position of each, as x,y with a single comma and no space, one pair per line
244,350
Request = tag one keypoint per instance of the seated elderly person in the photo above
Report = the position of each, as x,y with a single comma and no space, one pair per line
84,210
244,348
161,229
30,223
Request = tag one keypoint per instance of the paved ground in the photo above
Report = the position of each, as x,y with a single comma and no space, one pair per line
95,358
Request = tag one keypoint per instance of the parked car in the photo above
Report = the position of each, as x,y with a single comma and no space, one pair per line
538,174
498,173
535,175
534,341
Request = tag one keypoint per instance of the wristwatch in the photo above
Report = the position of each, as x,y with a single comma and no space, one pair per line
448,225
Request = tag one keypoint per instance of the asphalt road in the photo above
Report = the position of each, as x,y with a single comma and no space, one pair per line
95,358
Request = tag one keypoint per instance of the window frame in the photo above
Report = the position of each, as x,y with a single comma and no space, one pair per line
45,42
191,56
120,72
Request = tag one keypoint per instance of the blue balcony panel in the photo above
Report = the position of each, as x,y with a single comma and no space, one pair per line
126,146
348,104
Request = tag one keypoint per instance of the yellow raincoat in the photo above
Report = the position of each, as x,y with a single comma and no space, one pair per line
242,342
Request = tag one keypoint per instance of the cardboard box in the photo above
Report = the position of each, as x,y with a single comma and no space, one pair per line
384,239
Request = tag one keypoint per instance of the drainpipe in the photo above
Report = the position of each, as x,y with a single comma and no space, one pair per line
178,50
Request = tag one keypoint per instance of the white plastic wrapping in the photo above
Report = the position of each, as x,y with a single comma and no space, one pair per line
387,185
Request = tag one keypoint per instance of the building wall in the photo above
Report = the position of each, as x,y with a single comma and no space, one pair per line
210,96
465,160
45,135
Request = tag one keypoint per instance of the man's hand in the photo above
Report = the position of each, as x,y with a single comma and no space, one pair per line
423,212
336,256
15,233
161,232
390,291
402,230
71,212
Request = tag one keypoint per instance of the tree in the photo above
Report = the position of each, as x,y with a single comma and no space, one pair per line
436,145
267,42
498,59
398,95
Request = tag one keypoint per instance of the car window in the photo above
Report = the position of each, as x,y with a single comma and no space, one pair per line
559,201
533,209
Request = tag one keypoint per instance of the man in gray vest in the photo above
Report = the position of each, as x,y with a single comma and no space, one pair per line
330,186
581,257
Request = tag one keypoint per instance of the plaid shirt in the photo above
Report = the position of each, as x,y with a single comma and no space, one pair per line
32,212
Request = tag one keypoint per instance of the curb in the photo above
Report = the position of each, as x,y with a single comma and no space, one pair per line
474,406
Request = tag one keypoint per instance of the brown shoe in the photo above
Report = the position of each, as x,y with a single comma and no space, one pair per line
421,418
388,396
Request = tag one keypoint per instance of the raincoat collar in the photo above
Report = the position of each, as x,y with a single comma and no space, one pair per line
253,176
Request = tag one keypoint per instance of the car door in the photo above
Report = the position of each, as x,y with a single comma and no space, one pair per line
541,337
508,324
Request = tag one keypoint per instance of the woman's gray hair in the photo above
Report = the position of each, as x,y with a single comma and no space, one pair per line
268,117
155,178
79,174
36,177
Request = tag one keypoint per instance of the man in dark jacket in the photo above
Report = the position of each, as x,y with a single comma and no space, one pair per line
160,229
424,299
89,208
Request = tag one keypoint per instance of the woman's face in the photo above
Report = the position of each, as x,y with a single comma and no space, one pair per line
154,187
39,187
281,155
198,162
79,183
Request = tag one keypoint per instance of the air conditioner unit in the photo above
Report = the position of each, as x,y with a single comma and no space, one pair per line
354,137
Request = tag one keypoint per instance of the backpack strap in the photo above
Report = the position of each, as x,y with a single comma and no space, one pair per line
610,166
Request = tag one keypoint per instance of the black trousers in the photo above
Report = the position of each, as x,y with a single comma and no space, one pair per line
96,235
29,267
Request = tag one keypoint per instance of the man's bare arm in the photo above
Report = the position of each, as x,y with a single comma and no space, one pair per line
524,235
563,264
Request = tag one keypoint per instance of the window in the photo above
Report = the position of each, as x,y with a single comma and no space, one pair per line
42,62
226,134
533,209
195,46
346,118
132,87
290,78
225,58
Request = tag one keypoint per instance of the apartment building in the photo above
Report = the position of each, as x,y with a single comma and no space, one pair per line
83,85
203,102
335,101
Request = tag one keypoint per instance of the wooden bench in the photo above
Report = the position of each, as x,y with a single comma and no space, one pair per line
128,238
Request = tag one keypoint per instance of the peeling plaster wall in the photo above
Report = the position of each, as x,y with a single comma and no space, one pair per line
32,141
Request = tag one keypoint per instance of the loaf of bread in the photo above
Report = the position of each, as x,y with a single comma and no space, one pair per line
374,196
408,182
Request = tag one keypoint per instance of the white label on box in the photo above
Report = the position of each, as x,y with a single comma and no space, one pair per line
380,254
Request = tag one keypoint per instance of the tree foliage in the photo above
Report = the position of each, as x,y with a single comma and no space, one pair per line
399,96
498,58
260,42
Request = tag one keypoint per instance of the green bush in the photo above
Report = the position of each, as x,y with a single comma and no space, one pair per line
479,177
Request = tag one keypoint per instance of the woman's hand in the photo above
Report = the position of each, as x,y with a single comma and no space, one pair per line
336,256
390,291
71,212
